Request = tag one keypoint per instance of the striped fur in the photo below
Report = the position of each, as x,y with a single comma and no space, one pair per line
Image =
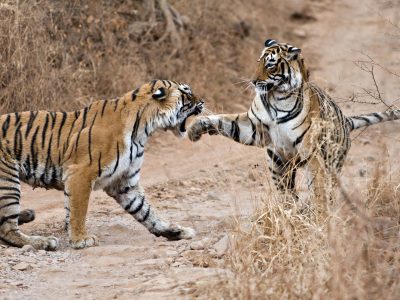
293,118
98,147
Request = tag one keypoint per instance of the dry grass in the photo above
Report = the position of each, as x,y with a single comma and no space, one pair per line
62,54
350,254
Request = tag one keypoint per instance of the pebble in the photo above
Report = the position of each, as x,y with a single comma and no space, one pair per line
10,251
222,245
28,248
22,266
199,245
212,196
299,33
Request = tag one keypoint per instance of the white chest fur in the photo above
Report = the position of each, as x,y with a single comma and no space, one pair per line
127,166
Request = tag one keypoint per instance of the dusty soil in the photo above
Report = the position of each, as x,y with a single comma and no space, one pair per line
207,185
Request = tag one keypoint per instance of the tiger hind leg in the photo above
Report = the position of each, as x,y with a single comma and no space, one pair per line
10,194
133,200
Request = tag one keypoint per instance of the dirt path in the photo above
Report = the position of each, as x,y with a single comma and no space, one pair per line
203,185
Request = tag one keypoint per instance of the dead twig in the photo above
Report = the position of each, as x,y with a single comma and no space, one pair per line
173,25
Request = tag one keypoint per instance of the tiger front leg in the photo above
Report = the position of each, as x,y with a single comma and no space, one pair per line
238,127
77,192
283,174
133,200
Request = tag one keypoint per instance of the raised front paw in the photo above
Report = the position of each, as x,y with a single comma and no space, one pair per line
176,232
200,126
86,242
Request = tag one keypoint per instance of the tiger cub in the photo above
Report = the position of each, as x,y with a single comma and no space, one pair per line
98,147
295,120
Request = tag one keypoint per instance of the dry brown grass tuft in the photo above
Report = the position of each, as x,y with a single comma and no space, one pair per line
351,254
62,54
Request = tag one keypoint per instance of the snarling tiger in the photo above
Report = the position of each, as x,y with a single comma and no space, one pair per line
98,147
297,122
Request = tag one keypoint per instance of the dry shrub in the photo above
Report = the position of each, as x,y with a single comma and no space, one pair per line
62,54
353,253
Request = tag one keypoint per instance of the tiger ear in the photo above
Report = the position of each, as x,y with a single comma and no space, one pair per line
160,94
293,53
269,43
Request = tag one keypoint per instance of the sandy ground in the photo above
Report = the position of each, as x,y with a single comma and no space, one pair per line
207,185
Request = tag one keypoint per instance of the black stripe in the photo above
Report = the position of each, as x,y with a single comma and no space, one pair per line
46,124
376,115
116,164
146,215
8,166
33,152
235,131
99,165
128,207
6,125
54,117
153,83
134,94
5,219
64,118
15,176
17,118
9,180
104,107
133,174
116,104
300,138
9,204
18,142
135,126
32,117
90,138
66,144
275,158
139,207
10,197
85,111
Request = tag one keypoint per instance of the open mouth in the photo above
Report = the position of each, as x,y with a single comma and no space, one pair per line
197,109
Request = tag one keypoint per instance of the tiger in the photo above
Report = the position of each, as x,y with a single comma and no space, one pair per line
295,120
98,147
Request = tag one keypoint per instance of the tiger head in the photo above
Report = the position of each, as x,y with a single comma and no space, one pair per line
281,68
169,104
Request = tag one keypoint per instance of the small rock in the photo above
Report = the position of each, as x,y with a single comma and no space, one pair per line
27,259
10,251
42,252
252,176
362,172
22,266
222,245
200,245
212,196
28,248
299,33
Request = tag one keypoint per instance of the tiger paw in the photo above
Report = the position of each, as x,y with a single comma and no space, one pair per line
200,126
89,241
177,232
49,243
